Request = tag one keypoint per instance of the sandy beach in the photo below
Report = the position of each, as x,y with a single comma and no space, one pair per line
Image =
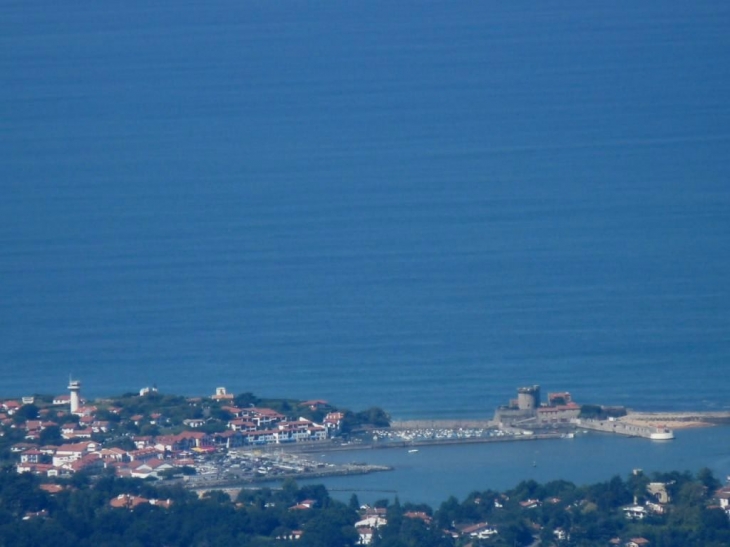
677,420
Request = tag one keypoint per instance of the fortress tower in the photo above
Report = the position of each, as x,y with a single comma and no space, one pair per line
528,398
74,386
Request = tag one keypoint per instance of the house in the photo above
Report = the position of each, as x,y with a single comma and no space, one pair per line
68,431
86,411
304,505
143,441
365,535
228,439
165,504
85,433
656,508
233,410
315,404
35,468
33,425
561,535
262,417
637,542
530,504
659,491
300,430
371,521
183,441
100,426
51,488
723,496
222,395
420,515
149,468
143,454
11,407
333,420
481,530
113,455
127,501
61,400
242,424
71,452
260,437
86,463
31,456
20,447
35,514
290,536
635,512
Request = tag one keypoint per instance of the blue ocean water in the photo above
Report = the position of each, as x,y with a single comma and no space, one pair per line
419,206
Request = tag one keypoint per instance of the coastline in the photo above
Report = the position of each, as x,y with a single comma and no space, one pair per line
672,420
677,420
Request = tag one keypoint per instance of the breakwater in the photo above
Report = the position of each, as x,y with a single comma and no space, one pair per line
627,429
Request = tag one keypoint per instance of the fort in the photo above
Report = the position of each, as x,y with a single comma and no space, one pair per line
561,412
528,410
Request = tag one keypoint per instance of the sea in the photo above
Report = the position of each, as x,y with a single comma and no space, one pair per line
413,205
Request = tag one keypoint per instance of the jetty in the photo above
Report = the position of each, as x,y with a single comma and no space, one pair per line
628,429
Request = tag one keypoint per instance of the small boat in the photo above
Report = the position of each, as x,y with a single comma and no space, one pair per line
412,450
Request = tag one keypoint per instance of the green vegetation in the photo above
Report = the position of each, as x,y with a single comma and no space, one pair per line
81,515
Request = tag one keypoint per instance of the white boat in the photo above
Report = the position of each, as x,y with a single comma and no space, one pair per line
412,450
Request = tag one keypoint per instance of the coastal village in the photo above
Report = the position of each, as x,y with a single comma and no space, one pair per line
216,442
65,435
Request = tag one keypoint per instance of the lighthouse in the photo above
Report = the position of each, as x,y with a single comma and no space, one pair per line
74,386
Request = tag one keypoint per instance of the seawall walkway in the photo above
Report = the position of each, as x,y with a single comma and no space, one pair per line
628,429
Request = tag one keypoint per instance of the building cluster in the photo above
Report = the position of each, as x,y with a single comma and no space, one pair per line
374,518
76,443
527,409
659,501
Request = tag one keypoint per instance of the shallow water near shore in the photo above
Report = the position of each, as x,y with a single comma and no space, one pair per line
434,473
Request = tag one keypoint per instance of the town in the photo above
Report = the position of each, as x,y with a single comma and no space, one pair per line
139,447
161,436
150,434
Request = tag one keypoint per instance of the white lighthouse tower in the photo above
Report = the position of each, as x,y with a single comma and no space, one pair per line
74,386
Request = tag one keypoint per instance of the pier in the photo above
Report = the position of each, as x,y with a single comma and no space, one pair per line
627,429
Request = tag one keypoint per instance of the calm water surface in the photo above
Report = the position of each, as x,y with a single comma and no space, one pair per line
436,472
418,206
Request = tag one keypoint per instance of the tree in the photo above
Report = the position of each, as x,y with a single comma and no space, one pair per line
354,503
331,527
51,435
26,412
708,480
245,400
